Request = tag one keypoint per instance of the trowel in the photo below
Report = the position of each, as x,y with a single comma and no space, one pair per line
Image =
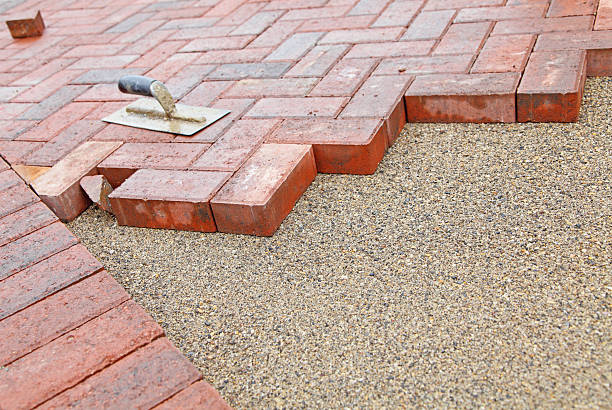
161,113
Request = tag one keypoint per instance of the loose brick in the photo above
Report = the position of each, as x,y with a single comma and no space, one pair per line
295,46
463,38
59,187
257,23
219,43
247,55
33,248
542,25
200,395
337,23
398,13
463,98
262,193
9,179
396,49
561,8
344,78
70,358
281,87
42,322
54,102
168,199
381,97
43,279
29,173
341,146
48,128
63,143
504,54
318,61
370,35
275,34
210,134
250,70
25,221
15,198
500,13
97,189
133,156
551,87
235,146
117,61
604,15
429,25
297,107
143,379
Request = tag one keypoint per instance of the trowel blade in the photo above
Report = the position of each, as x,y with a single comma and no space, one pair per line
159,122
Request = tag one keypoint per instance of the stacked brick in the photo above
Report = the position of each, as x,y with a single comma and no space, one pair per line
328,83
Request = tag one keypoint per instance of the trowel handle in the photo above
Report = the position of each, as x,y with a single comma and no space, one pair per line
136,84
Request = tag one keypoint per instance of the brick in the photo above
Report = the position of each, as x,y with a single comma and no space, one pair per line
316,13
294,4
257,24
117,61
370,35
344,78
33,248
205,93
240,15
381,97
297,107
218,43
48,128
597,43
398,13
504,54
294,47
41,280
189,23
551,87
542,25
54,102
247,55
337,23
138,32
210,134
59,187
29,173
459,4
157,55
368,7
10,129
112,75
282,87
104,109
463,38
235,145
8,179
146,44
8,111
173,64
25,221
116,132
104,93
463,98
344,146
79,39
318,61
168,199
97,189
63,143
8,93
89,50
201,32
200,395
250,70
561,8
67,360
44,72
3,165
604,15
133,156
15,198
143,379
250,203
129,23
50,318
275,34
500,13
429,25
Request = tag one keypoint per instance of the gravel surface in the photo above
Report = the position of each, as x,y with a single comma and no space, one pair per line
473,269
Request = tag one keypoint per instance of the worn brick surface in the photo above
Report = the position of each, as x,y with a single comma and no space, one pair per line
199,395
250,70
70,358
45,278
141,380
504,54
262,193
59,187
463,98
24,221
542,25
464,38
397,49
168,199
551,88
318,61
282,87
133,156
344,78
425,65
297,107
429,25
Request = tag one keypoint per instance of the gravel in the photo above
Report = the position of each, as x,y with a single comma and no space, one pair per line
473,269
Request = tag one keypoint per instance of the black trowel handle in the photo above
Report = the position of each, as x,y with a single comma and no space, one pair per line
136,84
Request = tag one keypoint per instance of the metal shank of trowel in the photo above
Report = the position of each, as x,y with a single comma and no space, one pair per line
149,87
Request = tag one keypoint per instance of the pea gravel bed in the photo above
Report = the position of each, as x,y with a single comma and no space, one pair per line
473,269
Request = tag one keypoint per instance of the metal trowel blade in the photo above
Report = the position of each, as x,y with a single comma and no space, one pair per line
148,114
